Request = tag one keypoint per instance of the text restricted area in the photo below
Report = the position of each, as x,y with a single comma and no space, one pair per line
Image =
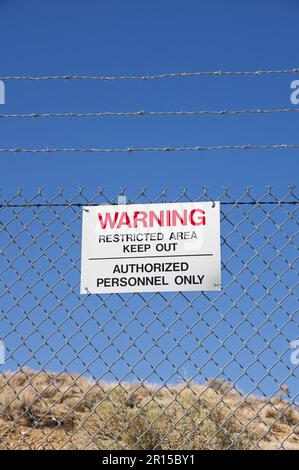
151,248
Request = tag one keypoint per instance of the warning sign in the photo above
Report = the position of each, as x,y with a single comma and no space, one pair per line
151,248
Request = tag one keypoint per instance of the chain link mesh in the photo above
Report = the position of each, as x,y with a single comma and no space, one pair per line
149,371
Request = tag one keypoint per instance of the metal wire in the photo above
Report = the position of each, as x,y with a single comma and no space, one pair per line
152,113
219,73
148,371
152,149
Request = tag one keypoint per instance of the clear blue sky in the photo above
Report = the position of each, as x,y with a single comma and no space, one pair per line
135,38
116,38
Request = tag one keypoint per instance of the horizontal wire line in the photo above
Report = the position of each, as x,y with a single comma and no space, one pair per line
79,204
152,77
152,113
152,149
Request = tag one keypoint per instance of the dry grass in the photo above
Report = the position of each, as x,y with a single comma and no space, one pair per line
40,410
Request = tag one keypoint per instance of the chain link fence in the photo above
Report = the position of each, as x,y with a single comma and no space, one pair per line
200,370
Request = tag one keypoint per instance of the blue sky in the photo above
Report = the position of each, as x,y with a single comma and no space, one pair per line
140,38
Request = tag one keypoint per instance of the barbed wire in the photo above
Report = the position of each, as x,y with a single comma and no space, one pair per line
152,149
152,113
216,73
83,204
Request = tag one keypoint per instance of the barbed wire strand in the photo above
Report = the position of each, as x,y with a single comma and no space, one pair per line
151,113
83,204
152,149
153,77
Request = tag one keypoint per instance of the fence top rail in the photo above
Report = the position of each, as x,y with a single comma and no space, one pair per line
62,197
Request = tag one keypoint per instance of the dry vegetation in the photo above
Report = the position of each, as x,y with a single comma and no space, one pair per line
40,410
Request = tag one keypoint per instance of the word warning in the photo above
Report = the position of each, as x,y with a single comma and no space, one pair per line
151,248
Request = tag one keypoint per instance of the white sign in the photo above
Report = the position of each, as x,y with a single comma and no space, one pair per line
151,248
